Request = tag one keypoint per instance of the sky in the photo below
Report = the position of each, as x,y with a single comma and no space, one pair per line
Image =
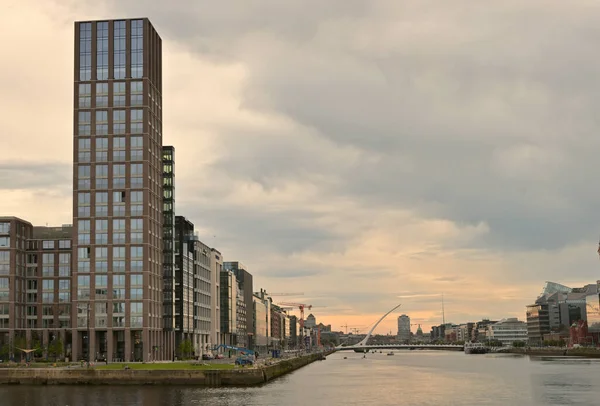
365,153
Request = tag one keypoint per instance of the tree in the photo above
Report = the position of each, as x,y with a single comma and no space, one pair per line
186,349
518,344
55,348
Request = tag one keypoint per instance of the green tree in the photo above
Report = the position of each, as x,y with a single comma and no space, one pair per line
55,348
518,344
186,349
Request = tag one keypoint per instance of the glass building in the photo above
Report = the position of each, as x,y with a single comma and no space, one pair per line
117,297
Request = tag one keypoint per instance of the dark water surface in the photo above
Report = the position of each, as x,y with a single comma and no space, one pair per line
407,378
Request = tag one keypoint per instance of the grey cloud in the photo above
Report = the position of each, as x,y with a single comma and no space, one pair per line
431,102
36,175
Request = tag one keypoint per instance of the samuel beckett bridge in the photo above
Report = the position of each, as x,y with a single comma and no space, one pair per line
364,347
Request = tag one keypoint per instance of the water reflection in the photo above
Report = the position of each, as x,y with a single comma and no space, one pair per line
411,378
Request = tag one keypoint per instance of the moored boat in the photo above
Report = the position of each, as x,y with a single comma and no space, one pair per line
475,348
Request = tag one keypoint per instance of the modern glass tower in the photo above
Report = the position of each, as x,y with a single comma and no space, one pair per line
118,193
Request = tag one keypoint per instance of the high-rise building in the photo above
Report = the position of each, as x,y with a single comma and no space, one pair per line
216,266
245,316
193,311
168,160
118,192
228,307
403,328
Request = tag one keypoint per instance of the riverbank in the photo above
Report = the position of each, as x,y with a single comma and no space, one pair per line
247,376
557,352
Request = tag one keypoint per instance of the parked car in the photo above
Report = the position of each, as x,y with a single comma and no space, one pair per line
207,357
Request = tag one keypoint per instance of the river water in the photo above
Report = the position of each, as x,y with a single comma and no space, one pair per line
407,378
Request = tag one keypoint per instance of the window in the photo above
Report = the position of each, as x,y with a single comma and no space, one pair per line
84,157
118,94
47,297
118,252
48,245
102,94
102,50
83,226
101,281
4,241
4,283
102,198
83,199
101,225
118,293
119,156
48,284
85,51
137,196
136,307
119,121
137,266
85,144
83,253
136,155
85,95
84,123
119,197
4,228
101,252
101,143
64,244
119,266
119,35
118,307
136,294
119,170
137,90
119,238
137,170
118,280
137,252
137,142
136,280
101,156
83,281
101,171
118,224
119,143
137,48
83,171
137,224
101,122
137,121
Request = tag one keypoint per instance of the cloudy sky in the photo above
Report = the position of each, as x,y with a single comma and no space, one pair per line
353,150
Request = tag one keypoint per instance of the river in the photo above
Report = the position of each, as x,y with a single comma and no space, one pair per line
419,378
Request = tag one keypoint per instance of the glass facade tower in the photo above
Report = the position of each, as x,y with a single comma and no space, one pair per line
117,289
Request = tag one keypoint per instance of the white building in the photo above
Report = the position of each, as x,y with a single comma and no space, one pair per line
507,331
403,328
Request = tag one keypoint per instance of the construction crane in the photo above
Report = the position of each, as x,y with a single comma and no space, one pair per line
286,294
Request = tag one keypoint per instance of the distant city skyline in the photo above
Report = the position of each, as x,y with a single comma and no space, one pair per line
366,151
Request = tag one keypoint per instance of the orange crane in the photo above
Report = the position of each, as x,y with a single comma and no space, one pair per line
286,294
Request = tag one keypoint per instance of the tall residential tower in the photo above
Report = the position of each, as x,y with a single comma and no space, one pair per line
117,192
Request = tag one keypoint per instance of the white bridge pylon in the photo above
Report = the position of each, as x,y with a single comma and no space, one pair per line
364,342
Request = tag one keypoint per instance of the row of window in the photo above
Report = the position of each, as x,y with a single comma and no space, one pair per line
102,293
118,143
119,91
118,266
117,252
136,224
84,123
117,238
118,170
83,281
119,51
117,156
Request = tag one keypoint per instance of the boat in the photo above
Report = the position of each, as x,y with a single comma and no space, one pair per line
475,348
390,353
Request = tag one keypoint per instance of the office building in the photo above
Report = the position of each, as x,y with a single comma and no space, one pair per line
245,317
228,308
168,290
118,192
35,287
192,289
508,331
403,328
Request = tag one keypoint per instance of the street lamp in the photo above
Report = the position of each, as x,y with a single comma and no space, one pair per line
88,336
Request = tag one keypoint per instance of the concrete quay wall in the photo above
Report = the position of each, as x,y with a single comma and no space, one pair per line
233,377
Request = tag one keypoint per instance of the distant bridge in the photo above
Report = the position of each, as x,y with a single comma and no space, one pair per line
363,347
